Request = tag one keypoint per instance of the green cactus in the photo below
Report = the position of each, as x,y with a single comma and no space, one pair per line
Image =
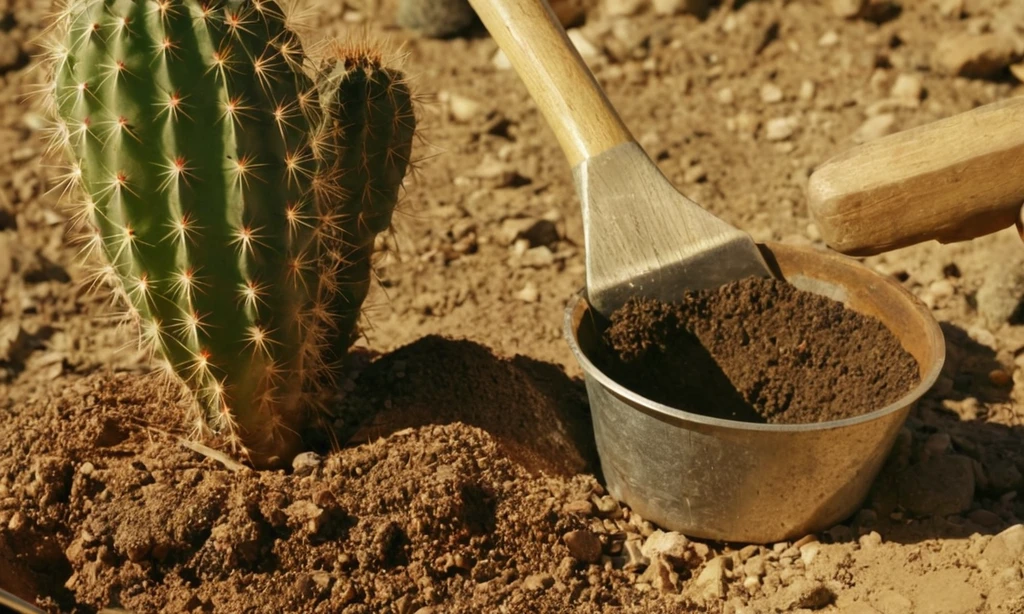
234,192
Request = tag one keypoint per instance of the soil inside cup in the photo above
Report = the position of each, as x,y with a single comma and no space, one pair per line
757,350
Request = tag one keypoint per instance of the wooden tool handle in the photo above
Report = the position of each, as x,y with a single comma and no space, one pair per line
950,180
560,83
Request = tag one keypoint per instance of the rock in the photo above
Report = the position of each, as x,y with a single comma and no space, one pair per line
583,545
726,95
306,463
875,128
980,56
676,7
938,486
538,258
608,507
628,41
809,552
586,48
529,293
623,8
501,61
635,558
582,507
463,109
538,582
671,545
711,581
537,231
848,9
771,93
660,576
755,566
497,174
1000,378
1007,548
908,89
805,594
780,128
874,10
435,19
1001,294
1017,70
308,514
870,540
829,39
695,174
807,90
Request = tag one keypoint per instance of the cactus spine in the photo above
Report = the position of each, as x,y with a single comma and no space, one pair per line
233,191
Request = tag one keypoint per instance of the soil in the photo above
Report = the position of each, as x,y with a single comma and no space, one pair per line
758,350
460,473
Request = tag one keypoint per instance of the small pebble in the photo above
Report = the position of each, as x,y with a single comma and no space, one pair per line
942,288
807,90
771,93
463,109
780,128
583,546
875,128
711,580
608,506
528,294
870,540
907,88
538,582
306,463
635,558
1000,378
755,566
582,507
751,583
671,545
829,39
848,9
804,593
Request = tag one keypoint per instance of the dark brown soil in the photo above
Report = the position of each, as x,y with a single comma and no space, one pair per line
758,350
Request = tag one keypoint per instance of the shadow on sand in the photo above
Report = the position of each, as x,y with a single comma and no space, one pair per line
540,417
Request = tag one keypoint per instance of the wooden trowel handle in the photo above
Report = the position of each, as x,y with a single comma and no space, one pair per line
560,83
950,180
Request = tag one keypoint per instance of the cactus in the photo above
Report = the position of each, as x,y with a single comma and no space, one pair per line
233,191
